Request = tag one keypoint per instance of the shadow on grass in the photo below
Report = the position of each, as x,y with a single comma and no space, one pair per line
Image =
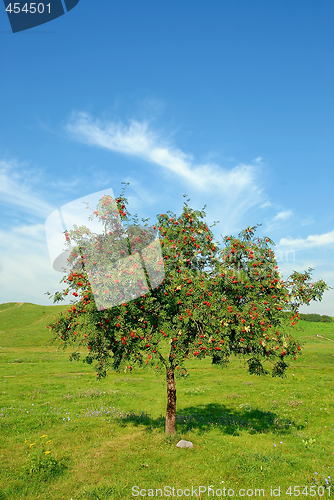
217,416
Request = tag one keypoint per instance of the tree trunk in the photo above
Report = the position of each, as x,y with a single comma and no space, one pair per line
171,402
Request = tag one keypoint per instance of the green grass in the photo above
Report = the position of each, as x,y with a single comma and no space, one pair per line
24,324
109,436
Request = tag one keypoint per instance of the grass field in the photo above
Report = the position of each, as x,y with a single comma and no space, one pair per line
106,437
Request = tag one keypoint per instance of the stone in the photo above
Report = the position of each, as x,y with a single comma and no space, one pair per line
184,444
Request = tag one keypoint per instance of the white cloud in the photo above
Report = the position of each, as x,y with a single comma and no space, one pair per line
277,220
137,140
283,215
36,231
312,240
14,191
266,204
26,271
233,191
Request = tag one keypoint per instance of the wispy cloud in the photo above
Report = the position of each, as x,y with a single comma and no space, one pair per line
137,140
34,232
26,271
280,218
23,239
15,191
312,240
283,215
236,189
266,204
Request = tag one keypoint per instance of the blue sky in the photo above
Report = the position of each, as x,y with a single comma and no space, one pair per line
228,102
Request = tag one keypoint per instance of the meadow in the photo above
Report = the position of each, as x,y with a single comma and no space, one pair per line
65,435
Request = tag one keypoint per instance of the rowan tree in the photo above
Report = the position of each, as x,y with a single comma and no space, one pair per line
211,303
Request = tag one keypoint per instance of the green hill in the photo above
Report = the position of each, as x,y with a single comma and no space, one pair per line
24,324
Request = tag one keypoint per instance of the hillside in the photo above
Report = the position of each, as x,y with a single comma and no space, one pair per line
24,324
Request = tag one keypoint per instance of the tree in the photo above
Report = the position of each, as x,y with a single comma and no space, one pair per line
211,302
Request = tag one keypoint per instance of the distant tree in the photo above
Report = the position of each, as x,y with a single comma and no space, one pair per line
212,302
316,318
326,319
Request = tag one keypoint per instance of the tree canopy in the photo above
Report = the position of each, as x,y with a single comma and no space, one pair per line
212,302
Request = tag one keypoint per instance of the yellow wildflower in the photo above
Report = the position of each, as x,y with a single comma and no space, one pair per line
31,444
48,442
46,453
44,436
